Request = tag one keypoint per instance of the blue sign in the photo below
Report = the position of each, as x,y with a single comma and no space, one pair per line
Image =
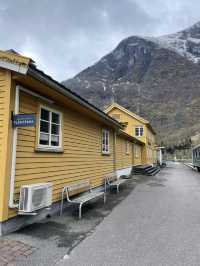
24,120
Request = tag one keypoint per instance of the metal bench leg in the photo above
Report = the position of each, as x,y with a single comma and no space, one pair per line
104,198
80,208
62,199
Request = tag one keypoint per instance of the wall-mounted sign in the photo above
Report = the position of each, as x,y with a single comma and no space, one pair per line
24,120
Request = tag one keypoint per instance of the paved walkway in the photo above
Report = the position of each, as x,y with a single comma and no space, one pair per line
157,224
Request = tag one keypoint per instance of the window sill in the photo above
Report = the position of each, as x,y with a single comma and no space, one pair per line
41,149
105,153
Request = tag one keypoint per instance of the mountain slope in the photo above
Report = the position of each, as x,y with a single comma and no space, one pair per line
152,77
186,42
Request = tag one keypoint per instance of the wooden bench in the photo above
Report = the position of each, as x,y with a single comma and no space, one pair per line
80,193
112,180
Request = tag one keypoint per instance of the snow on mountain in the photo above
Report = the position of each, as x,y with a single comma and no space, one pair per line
185,43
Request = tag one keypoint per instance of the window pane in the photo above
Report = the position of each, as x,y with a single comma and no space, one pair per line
105,141
103,137
45,114
44,126
44,139
55,129
139,131
55,118
54,140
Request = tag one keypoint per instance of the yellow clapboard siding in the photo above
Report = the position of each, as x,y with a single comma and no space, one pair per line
23,172
81,157
123,160
137,154
132,121
61,174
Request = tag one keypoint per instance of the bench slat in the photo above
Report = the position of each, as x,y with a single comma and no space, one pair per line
118,182
80,185
81,197
112,180
111,177
78,188
87,197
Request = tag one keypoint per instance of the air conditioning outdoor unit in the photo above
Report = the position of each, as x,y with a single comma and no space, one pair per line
35,197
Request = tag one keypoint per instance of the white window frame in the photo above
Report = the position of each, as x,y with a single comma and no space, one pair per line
105,149
141,129
50,147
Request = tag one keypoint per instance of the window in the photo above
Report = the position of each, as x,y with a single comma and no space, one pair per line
49,129
139,131
127,147
105,141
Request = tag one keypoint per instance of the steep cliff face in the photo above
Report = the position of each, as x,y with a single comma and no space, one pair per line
152,77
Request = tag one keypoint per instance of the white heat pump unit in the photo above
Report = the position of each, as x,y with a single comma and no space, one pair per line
35,197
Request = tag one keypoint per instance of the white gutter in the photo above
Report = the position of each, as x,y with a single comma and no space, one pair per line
114,150
14,148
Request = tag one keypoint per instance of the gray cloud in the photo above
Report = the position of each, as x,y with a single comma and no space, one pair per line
65,36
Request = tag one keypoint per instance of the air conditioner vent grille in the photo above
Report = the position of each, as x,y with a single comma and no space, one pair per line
38,197
34,197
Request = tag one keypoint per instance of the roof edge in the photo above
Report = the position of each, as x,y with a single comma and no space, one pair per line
116,105
137,117
132,138
14,62
44,78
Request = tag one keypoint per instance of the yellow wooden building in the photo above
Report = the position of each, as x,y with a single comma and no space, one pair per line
139,128
49,134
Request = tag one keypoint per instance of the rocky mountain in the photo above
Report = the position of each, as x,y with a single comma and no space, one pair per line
159,78
186,42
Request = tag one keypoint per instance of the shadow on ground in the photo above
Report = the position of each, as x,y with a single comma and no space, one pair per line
56,236
67,230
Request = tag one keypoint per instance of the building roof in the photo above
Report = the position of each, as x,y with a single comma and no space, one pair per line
13,61
131,138
137,117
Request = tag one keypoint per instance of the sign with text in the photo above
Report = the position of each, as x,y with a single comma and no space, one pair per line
24,120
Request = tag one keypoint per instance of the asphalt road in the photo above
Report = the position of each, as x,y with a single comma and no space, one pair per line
157,224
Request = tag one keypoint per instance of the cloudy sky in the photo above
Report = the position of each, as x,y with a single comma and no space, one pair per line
66,36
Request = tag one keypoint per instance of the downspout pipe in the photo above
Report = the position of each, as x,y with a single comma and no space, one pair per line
114,150
14,149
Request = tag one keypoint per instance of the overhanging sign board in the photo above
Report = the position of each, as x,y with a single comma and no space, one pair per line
24,120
